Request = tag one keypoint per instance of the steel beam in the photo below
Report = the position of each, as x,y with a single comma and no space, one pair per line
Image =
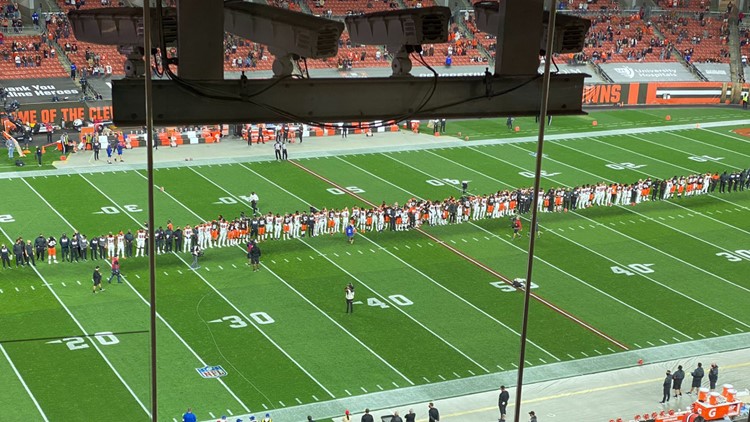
343,100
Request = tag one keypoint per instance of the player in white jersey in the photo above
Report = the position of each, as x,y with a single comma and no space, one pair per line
187,234
223,230
110,245
121,245
140,242
296,224
277,227
200,235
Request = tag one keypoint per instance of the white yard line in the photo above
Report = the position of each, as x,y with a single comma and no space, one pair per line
167,324
647,217
25,387
67,310
239,312
709,145
603,256
457,296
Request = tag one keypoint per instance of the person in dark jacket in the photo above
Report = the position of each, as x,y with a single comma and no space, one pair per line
41,244
253,254
5,255
677,378
97,279
19,250
666,385
713,376
396,417
697,375
502,401
433,413
367,417
411,416
29,254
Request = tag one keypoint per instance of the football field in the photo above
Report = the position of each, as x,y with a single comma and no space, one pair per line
433,304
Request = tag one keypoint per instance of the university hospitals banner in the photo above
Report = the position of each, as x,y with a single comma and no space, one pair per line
657,93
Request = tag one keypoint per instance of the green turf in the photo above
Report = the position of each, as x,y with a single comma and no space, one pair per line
432,308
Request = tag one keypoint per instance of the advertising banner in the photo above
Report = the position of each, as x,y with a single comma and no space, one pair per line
33,91
59,111
655,93
647,72
714,72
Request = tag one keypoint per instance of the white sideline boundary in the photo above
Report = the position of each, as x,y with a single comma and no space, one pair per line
433,143
25,387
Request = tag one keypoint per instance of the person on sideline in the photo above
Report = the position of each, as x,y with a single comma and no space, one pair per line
713,376
532,416
677,378
502,402
347,417
411,416
433,413
697,375
367,417
189,416
196,252
115,270
667,384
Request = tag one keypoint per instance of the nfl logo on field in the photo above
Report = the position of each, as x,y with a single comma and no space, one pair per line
211,371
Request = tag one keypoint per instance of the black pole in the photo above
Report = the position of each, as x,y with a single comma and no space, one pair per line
150,172
535,207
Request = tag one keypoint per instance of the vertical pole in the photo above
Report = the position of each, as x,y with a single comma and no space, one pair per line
535,200
150,173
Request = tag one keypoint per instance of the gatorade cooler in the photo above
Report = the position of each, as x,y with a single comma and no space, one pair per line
703,394
713,398
725,389
731,395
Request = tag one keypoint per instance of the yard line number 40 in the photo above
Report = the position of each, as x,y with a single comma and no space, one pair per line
632,269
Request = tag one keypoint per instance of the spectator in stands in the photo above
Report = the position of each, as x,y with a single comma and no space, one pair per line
72,70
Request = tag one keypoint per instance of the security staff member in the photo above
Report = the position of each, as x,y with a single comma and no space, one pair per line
74,248
723,179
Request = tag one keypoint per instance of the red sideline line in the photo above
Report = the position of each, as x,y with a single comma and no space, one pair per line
479,264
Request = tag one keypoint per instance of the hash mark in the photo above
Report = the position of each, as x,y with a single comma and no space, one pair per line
676,339
582,227
220,267
180,271
372,250
335,254
714,333
299,259
407,247
165,273
266,407
379,387
464,240
230,412
723,329
426,380
311,257
286,260
453,241
17,289
736,328
501,368
360,252
457,376
298,400
597,352
79,282
347,392
700,334
273,261
663,341
137,276
584,353
396,385
395,247
348,253
650,343
514,365
475,239
680,215
592,226
282,403
63,284
671,216
314,398
207,269
528,363
234,266
543,361
472,373
32,288
441,377
212,415
363,389
418,245
487,238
